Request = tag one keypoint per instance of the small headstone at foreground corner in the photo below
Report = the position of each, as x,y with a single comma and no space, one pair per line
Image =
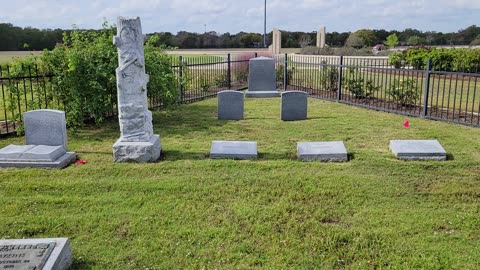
230,105
294,106
46,143
261,78
418,150
234,149
35,254
322,151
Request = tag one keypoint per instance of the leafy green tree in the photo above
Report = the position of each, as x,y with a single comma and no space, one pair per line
392,41
354,41
415,40
476,41
248,39
368,37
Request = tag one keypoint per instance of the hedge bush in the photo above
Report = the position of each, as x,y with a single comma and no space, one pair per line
83,68
454,60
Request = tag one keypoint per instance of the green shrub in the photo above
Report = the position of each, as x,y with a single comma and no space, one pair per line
405,92
329,77
84,74
279,72
453,60
359,86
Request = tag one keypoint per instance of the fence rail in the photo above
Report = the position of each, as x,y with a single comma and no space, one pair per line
370,82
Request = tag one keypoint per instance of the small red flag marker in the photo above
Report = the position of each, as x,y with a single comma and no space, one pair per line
81,162
406,124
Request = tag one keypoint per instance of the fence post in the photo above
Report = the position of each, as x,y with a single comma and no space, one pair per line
340,74
427,86
285,73
229,72
256,54
180,79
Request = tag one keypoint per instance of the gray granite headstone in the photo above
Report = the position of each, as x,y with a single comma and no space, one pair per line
262,78
230,105
46,138
35,254
418,150
45,127
322,151
294,106
234,149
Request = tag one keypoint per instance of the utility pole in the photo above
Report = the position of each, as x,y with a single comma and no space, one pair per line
265,25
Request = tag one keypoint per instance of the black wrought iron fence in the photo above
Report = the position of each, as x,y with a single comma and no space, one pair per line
372,82
439,91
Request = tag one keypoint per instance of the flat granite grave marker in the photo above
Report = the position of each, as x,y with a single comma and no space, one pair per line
230,105
294,105
234,149
418,150
46,143
322,151
261,78
35,254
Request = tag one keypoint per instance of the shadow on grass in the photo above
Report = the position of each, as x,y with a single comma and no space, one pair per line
81,263
450,157
276,156
172,155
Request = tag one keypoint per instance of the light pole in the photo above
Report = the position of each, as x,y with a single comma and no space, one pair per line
265,25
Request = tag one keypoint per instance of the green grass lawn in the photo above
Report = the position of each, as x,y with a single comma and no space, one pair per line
190,212
8,56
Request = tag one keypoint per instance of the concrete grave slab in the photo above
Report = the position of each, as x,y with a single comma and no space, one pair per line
294,105
44,254
230,105
234,149
418,150
334,151
14,151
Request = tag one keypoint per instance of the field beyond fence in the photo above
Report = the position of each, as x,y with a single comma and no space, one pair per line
370,82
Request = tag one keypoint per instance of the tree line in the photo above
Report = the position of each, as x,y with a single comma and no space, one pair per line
14,38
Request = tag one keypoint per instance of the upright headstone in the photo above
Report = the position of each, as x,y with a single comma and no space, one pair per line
46,139
294,105
230,105
45,127
261,78
276,41
35,254
137,142
321,37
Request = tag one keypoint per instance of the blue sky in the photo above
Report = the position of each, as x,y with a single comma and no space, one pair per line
247,15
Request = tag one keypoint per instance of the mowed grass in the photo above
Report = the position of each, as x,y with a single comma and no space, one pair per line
190,212
9,56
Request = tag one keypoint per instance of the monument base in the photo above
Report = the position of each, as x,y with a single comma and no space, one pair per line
137,151
262,94
59,163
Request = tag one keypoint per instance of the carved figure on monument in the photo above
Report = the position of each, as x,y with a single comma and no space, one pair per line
134,117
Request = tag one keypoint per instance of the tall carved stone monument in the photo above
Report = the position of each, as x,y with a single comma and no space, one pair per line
321,37
137,142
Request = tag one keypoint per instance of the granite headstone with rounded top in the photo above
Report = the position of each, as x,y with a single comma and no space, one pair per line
230,105
294,106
